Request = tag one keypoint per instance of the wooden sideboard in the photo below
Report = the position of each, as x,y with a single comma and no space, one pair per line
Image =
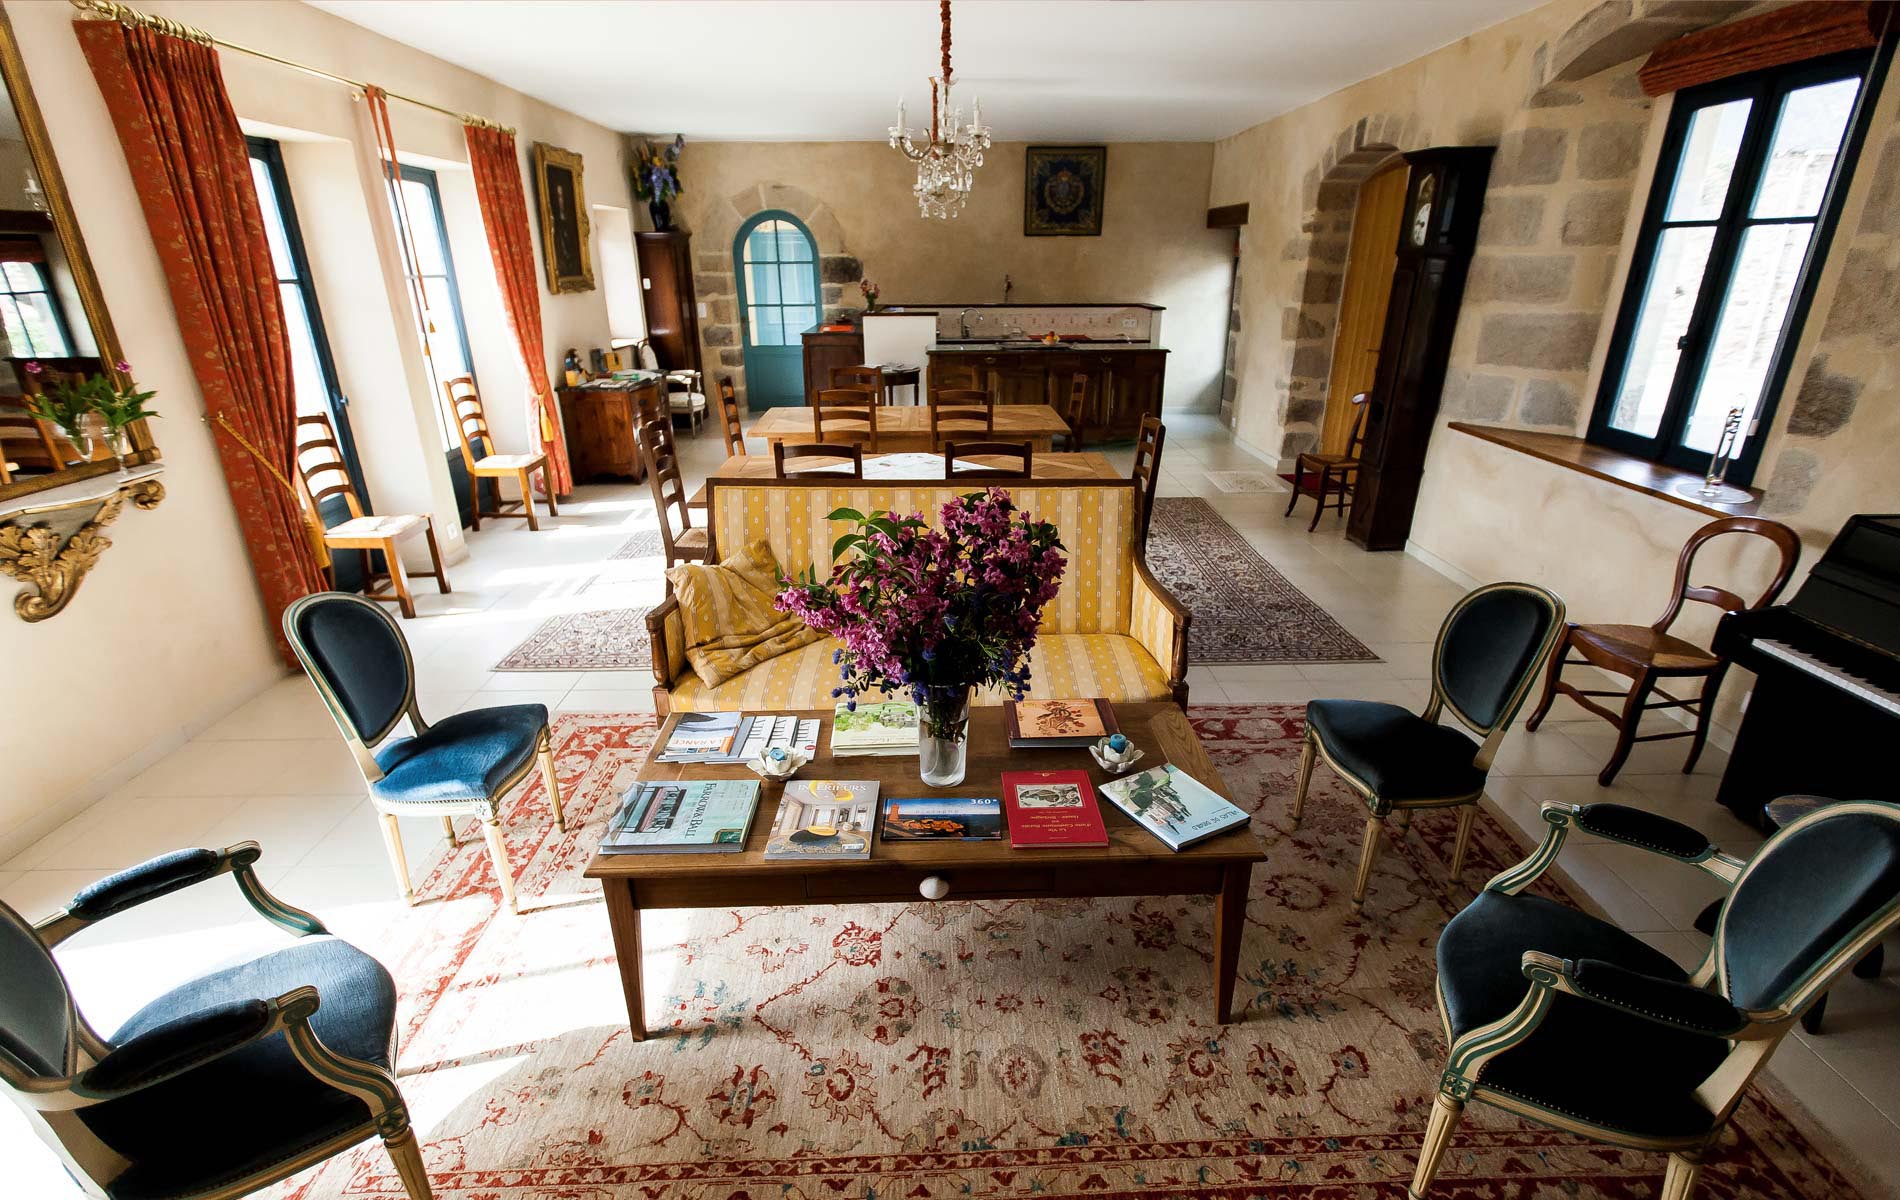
1124,384
827,349
602,425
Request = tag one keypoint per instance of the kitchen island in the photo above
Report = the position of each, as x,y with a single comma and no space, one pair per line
1124,378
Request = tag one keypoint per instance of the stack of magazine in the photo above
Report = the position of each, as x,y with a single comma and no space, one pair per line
683,816
886,727
730,737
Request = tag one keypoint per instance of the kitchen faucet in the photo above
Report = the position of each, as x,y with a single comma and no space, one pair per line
963,323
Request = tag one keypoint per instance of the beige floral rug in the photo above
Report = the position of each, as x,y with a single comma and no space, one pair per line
612,639
1046,1048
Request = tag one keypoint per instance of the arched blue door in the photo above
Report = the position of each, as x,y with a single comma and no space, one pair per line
776,263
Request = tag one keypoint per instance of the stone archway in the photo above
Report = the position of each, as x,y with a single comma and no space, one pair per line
717,287
1331,194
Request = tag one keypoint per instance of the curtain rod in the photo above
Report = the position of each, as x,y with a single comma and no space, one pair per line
125,14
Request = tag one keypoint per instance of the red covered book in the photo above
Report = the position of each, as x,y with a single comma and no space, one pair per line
1052,808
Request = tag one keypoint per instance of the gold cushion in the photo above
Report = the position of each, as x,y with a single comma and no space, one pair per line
729,622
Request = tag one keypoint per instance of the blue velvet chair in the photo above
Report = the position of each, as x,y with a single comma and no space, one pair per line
1570,1022
463,765
1488,652
217,1088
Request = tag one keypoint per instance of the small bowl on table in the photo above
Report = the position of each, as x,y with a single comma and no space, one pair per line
777,764
1115,754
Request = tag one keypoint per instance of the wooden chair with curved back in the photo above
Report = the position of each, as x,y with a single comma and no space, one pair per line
972,452
1648,654
729,418
840,459
471,429
1337,472
669,492
961,412
323,474
1147,470
845,415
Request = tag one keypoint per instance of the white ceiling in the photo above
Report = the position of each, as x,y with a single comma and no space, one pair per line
825,70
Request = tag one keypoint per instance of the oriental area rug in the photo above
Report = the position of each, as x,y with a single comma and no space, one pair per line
612,639
998,1049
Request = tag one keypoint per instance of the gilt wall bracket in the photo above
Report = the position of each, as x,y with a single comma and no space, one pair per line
51,540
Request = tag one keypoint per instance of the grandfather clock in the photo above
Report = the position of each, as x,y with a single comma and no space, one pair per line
1443,200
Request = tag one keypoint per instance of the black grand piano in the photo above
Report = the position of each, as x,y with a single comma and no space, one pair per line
1824,719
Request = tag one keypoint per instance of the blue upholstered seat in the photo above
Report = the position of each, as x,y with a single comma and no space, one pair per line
1394,751
256,1106
468,756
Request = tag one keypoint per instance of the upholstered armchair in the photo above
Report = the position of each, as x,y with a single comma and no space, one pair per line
460,766
1487,655
217,1088
1571,1022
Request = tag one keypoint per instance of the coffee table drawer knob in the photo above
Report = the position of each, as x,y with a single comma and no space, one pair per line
934,887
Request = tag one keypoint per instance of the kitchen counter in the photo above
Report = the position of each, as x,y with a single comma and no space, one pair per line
1125,379
1035,347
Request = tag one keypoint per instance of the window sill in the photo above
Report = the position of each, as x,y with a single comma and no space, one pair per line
1611,466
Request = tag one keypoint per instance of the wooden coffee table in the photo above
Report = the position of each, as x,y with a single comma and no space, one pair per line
1134,863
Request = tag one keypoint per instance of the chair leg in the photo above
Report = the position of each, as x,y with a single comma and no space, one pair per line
1299,477
527,500
475,502
448,829
1711,687
1367,856
392,840
546,752
398,579
1551,675
1680,1179
1626,728
435,556
1308,753
1325,477
498,851
1466,816
407,1157
1446,1113
554,506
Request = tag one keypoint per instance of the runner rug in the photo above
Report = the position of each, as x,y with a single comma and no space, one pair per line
611,639
1014,1049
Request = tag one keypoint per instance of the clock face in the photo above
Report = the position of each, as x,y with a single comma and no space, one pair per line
1422,213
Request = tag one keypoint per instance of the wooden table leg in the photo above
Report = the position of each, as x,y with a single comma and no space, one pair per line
1230,918
623,917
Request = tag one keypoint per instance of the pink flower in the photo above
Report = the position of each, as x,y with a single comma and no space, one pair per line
123,367
32,368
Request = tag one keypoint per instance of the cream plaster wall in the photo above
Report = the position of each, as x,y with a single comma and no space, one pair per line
168,635
1154,246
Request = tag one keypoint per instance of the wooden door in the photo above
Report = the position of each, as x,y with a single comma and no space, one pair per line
668,299
1368,286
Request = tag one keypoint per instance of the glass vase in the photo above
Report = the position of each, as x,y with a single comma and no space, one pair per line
118,443
943,735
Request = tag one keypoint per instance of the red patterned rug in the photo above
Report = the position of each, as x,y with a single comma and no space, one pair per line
1047,1048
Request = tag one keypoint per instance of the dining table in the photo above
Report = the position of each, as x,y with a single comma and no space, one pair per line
913,467
908,427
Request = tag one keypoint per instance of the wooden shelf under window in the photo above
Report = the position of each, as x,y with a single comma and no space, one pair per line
1611,466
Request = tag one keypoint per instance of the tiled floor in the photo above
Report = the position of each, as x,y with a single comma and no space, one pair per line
275,771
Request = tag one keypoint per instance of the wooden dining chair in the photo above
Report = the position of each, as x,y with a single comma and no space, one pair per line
1339,472
843,459
669,492
1075,414
968,452
1147,470
1649,654
866,379
845,415
48,449
729,418
323,473
471,427
30,444
961,411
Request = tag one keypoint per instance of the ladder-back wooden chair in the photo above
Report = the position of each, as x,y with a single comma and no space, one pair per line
837,459
1337,472
669,492
863,378
323,473
845,415
1147,469
729,418
41,445
971,452
961,412
1075,414
471,427
1649,654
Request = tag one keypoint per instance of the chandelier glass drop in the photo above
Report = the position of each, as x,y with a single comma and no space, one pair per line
949,153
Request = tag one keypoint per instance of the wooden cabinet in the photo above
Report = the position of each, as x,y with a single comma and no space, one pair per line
601,426
666,295
825,350
1124,385
1443,199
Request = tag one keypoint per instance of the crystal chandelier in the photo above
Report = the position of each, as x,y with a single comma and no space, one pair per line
950,154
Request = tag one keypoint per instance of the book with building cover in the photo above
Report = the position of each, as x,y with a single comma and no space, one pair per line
726,738
1052,808
1173,805
942,818
1058,724
698,734
683,816
821,819
881,727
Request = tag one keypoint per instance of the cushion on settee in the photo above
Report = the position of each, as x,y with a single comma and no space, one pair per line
726,609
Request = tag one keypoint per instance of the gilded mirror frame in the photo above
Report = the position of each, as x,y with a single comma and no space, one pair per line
91,300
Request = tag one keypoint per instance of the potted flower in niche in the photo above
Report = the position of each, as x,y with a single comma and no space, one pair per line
933,613
90,409
656,179
870,293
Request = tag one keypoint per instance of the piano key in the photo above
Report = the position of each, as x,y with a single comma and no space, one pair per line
1831,674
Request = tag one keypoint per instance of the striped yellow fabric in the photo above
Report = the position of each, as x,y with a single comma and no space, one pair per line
673,626
1061,666
1096,522
1151,624
727,616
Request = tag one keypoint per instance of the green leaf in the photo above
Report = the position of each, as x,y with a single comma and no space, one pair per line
846,514
844,543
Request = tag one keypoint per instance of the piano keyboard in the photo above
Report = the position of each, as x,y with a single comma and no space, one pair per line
1831,674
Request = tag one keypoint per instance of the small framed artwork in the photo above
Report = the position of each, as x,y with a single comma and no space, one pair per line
1063,187
564,240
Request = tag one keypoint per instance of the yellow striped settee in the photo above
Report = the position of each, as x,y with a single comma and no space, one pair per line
1112,631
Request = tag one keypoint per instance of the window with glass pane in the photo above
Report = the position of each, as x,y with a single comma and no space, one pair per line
781,284
312,373
28,308
434,269
1748,171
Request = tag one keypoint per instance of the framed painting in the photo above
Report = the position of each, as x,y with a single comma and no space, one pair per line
564,241
1063,188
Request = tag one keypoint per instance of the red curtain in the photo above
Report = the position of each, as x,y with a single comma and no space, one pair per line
497,170
188,160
